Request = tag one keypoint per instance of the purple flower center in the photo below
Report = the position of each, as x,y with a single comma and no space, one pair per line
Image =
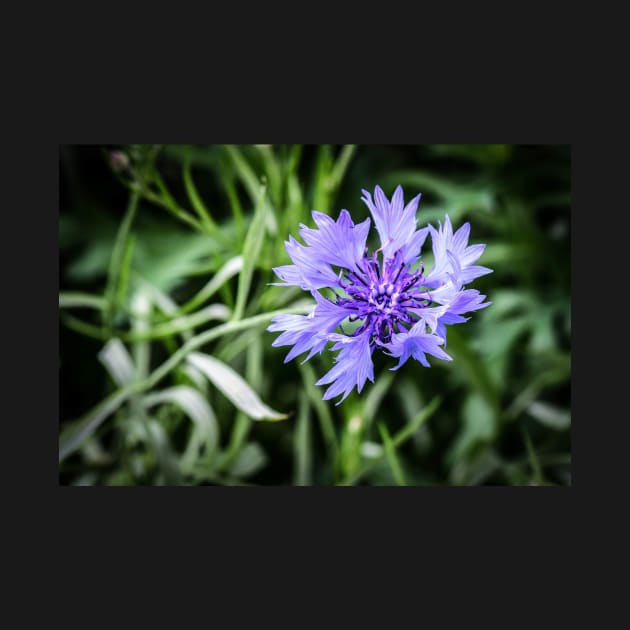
384,295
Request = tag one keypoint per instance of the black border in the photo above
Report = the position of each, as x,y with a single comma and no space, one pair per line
426,523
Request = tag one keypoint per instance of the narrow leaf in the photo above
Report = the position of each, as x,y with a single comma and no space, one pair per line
392,457
550,415
81,300
196,408
118,362
302,444
230,269
234,387
250,460
251,249
192,403
195,200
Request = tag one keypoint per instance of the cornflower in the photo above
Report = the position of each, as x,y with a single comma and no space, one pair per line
381,300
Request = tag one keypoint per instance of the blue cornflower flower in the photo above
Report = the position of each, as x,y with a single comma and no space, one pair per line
398,307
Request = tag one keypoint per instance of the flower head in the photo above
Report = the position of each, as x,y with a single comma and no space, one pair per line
385,295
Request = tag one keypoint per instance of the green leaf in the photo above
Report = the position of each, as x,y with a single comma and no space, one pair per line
229,269
73,435
244,170
375,396
166,258
251,249
392,457
194,198
479,427
74,299
404,434
549,415
234,387
457,199
118,258
249,461
198,410
302,444
476,468
192,403
371,450
218,312
537,476
118,362
321,408
417,421
341,165
472,368
160,443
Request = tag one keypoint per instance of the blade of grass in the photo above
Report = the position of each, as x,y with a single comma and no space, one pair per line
74,299
272,169
195,200
229,269
302,444
418,420
375,396
392,457
537,476
321,191
125,270
341,165
166,201
323,412
116,260
244,171
227,179
251,250
234,387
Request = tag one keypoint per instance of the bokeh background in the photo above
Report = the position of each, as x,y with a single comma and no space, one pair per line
168,377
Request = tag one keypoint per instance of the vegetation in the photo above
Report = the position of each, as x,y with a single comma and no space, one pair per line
168,376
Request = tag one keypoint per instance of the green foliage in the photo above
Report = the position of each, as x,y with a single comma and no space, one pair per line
168,376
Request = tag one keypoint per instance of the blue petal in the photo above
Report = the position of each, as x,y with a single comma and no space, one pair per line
416,343
340,243
444,241
312,272
308,332
412,248
395,225
469,274
290,274
353,366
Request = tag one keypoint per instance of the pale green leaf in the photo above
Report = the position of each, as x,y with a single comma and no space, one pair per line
118,362
249,461
234,387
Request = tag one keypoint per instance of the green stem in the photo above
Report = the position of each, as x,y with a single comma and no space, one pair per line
195,199
172,207
341,166
74,299
120,246
159,331
323,413
392,457
239,433
537,476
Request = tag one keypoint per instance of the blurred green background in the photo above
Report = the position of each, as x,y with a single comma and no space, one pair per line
168,377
